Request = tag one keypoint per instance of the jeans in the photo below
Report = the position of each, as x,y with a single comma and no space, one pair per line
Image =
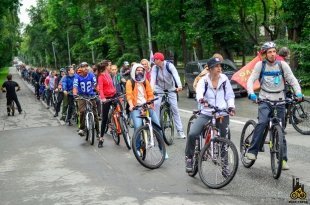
264,113
137,122
197,128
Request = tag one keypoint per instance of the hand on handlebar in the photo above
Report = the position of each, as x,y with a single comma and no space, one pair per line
300,97
203,102
253,97
231,111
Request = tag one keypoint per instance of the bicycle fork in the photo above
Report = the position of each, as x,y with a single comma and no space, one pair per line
151,143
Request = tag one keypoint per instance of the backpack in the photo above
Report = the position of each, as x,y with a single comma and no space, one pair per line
169,71
206,87
281,72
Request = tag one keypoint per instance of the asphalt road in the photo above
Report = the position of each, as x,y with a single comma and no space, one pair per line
43,161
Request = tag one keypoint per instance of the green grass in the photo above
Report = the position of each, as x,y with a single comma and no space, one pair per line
3,73
306,91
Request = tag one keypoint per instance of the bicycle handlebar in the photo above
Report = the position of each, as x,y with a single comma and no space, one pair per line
114,98
165,92
79,97
144,105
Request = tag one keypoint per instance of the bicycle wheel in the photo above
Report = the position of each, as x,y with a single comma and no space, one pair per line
125,132
190,122
245,142
109,119
218,163
276,147
91,129
13,108
300,117
114,133
167,125
148,155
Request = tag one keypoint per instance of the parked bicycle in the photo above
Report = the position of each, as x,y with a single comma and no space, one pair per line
215,157
166,117
147,143
118,122
89,119
275,140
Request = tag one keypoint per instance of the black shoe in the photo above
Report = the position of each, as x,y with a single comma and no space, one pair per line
56,114
69,123
9,114
100,143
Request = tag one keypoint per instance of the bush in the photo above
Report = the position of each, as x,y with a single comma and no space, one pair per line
3,74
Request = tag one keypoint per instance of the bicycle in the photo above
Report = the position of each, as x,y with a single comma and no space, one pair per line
118,121
275,140
214,154
89,118
147,143
166,117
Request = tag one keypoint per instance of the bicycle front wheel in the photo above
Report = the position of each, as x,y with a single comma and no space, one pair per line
167,125
276,150
300,117
125,132
91,129
218,163
148,155
245,142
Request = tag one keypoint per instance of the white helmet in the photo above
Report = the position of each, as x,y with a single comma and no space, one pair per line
268,45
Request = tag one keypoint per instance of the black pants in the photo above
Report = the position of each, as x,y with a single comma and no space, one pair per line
70,108
15,99
104,116
37,87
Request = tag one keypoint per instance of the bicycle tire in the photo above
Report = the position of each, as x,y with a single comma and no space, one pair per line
108,119
190,122
300,117
114,133
13,108
125,132
92,129
166,122
145,153
245,142
221,147
276,150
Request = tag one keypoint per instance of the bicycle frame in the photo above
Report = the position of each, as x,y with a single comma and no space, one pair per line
148,121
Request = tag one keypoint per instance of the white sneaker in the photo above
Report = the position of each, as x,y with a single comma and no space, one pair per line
81,133
166,156
181,135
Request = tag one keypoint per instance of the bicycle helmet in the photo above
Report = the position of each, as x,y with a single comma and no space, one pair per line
267,46
62,70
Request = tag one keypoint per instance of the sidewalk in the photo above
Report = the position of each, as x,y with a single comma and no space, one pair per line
34,112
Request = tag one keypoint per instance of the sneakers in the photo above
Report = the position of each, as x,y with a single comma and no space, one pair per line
63,118
56,114
166,156
69,123
100,143
188,165
250,156
181,135
285,166
81,133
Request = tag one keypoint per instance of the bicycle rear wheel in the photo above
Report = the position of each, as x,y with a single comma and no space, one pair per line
167,125
218,163
245,142
300,117
114,133
276,150
125,132
149,156
91,129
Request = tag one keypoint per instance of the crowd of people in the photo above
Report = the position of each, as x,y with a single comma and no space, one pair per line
140,80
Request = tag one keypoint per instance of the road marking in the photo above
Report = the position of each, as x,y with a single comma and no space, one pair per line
233,121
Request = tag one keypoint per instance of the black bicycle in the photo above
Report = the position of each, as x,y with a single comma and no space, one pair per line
215,157
89,118
166,117
275,140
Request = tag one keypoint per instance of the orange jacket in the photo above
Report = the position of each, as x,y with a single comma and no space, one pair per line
132,95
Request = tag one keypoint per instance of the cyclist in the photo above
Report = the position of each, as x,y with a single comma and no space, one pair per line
283,54
83,85
273,77
58,88
50,82
67,87
214,87
36,79
9,87
165,76
106,90
147,67
125,70
117,79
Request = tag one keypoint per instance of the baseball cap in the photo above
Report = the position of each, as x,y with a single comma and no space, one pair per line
213,62
159,56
